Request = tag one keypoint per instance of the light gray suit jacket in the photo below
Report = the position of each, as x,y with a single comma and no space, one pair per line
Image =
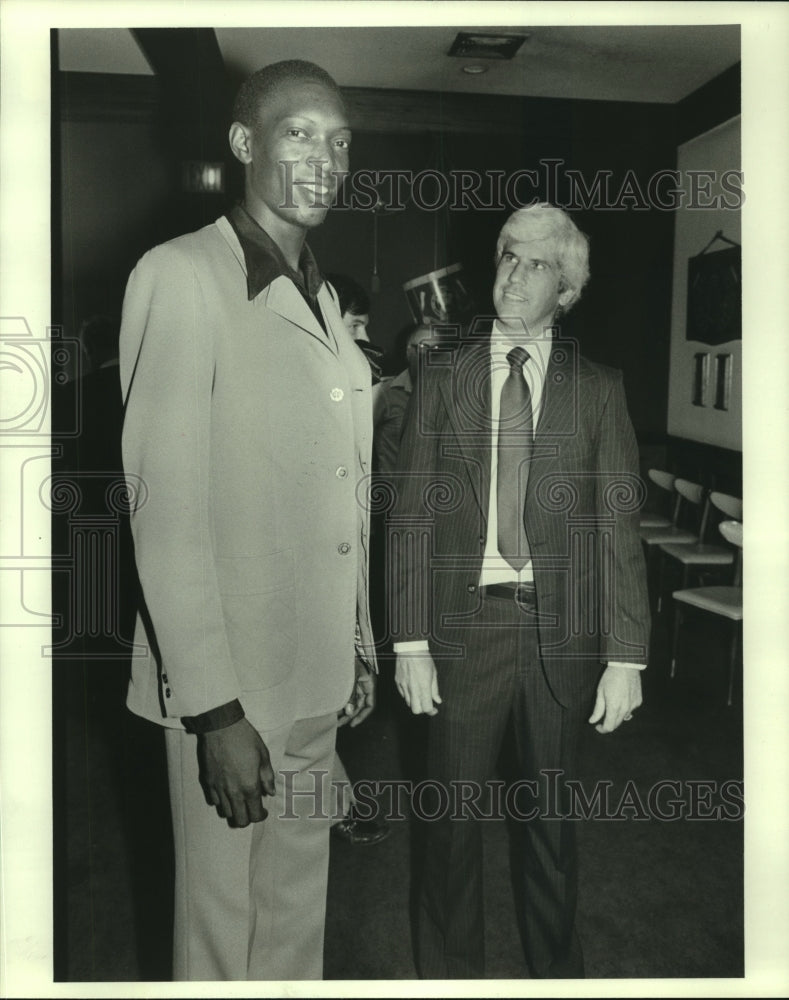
250,429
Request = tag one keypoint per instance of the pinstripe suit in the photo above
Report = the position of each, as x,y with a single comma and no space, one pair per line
536,663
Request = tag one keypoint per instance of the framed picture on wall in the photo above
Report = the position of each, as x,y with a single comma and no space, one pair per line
715,296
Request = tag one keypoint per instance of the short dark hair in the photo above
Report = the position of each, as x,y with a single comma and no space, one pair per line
403,339
259,87
353,298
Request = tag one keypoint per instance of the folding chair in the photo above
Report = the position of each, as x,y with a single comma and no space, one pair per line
688,493
723,601
664,481
698,555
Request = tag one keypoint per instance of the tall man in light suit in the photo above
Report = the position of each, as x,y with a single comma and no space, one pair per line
520,592
248,420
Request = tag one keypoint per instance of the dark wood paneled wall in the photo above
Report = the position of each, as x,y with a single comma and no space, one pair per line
108,97
624,316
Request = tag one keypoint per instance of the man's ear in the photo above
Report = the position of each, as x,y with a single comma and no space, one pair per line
565,295
241,142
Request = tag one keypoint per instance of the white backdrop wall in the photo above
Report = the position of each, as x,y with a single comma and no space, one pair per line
717,150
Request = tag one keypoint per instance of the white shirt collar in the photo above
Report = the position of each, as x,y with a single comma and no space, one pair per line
502,342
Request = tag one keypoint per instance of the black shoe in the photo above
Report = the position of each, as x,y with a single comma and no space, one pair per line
360,832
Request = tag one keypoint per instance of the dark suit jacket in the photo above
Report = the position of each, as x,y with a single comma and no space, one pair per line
581,515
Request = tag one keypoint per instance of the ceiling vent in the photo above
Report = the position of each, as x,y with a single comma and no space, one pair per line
477,45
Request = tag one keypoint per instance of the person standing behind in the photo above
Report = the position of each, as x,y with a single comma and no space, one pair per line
248,419
390,406
354,305
355,309
522,591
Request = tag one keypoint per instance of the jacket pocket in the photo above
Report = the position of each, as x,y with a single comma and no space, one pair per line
258,602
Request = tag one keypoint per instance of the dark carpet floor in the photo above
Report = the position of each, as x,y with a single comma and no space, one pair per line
658,897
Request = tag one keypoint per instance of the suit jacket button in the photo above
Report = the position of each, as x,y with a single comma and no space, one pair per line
341,473
336,394
344,548
471,588
167,692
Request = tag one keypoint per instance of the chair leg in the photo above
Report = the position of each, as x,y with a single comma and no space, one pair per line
735,645
685,577
675,642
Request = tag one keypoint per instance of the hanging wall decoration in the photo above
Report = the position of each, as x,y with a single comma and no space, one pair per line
714,317
715,294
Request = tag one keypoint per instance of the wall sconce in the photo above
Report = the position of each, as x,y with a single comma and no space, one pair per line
200,177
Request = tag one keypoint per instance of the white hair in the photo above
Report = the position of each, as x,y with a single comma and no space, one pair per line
572,246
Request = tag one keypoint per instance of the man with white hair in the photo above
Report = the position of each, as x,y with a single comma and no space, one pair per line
519,592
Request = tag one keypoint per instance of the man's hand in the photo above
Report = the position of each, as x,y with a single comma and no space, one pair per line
618,696
417,682
236,772
362,701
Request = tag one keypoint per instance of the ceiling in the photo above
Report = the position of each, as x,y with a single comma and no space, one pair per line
652,63
100,50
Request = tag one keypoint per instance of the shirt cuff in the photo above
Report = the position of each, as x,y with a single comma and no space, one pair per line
215,718
633,666
414,646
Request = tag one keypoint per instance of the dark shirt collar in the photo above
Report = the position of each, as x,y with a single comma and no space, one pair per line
265,260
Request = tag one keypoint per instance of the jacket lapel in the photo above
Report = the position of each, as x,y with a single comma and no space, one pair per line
466,395
558,423
282,297
558,414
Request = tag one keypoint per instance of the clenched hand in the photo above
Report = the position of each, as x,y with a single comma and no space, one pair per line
236,772
417,682
618,696
362,701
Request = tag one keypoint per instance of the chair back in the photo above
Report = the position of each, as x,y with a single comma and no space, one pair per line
692,492
732,532
730,506
665,480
